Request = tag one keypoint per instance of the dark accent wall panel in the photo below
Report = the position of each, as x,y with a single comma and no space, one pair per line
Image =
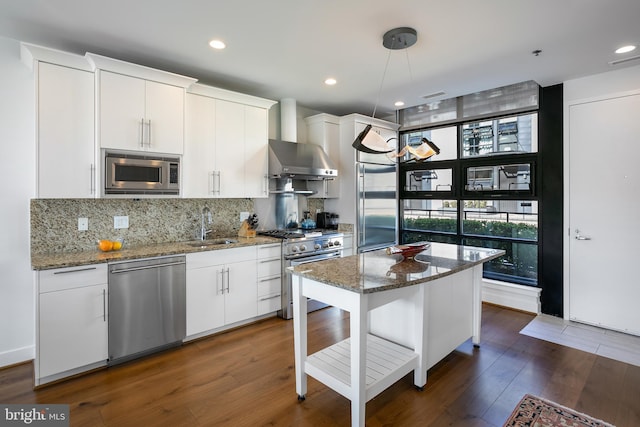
551,186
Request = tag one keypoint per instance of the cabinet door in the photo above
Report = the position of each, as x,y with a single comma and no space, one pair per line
66,149
72,329
199,146
205,300
241,291
164,114
256,155
122,111
229,158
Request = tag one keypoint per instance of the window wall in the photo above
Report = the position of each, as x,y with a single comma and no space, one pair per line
481,189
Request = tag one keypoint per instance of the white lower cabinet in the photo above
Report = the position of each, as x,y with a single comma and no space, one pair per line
269,278
72,333
221,288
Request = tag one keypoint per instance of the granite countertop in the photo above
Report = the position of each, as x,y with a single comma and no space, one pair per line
376,271
73,259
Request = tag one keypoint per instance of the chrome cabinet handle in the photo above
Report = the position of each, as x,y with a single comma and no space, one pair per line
104,305
93,177
74,271
268,298
149,135
228,279
210,188
142,132
222,277
269,279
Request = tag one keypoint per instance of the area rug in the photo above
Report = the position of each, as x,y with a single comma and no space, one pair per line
534,411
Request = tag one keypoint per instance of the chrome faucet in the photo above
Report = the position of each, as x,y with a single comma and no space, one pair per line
204,221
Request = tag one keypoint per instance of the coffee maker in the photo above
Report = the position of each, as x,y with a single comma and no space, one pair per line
327,220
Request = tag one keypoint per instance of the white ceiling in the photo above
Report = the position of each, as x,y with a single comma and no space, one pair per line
286,48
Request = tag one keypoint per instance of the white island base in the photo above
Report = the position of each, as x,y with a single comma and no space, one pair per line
392,332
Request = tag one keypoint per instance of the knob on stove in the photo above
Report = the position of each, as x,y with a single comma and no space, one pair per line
336,243
316,246
294,249
303,248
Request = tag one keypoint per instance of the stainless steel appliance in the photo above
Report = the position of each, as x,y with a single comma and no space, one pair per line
141,174
299,161
147,306
377,206
300,247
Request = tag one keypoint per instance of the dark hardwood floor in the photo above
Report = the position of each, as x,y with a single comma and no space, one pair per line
246,378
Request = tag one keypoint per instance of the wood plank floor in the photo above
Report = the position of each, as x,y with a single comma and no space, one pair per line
246,378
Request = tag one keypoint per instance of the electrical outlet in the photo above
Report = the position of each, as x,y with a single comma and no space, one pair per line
120,222
243,216
83,224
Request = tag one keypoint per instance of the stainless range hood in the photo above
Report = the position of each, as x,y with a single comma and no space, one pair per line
299,161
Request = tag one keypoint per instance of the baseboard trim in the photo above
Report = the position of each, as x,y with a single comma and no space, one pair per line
17,356
518,297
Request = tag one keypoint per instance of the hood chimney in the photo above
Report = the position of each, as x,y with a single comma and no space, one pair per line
288,120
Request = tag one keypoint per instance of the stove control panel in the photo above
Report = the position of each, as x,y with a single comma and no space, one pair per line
312,245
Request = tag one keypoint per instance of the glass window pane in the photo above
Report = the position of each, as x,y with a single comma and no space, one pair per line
501,218
446,139
429,180
517,134
508,177
504,99
430,215
519,264
430,113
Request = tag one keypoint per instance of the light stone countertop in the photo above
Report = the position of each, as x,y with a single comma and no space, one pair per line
72,259
376,271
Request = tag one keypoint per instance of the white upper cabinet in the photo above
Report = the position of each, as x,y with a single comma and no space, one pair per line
226,141
139,108
140,115
65,123
66,149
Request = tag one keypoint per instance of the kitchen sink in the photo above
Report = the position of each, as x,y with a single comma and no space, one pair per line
208,243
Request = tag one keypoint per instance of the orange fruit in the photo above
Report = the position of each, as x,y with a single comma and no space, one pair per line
105,245
117,245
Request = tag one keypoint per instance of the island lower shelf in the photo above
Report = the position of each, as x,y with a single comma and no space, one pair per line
386,363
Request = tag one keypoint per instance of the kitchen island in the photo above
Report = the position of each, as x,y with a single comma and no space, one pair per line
405,315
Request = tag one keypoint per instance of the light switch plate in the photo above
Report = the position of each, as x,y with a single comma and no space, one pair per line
83,224
120,222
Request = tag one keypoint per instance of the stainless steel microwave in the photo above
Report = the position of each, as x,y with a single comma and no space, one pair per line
141,174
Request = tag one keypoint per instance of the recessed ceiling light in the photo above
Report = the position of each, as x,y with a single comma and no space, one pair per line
330,81
625,49
399,104
217,44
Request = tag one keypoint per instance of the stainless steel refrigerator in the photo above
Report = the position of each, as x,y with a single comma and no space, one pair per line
377,208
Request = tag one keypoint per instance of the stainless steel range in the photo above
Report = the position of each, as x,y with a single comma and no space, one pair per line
301,247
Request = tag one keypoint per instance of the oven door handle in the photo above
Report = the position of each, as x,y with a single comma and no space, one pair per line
304,260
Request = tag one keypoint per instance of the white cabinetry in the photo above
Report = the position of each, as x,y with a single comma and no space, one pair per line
66,159
324,130
269,278
226,141
350,127
137,114
221,288
139,108
72,329
347,244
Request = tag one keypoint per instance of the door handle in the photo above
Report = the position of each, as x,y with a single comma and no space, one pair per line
580,237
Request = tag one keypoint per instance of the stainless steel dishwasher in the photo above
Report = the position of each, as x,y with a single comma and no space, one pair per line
147,306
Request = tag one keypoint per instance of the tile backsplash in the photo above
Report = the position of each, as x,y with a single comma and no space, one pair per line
54,222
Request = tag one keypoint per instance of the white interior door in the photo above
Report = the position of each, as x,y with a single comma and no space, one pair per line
604,205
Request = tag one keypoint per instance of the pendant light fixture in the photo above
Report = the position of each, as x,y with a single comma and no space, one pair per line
369,141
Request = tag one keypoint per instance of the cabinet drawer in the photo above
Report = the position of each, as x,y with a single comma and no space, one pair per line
269,267
220,256
269,286
270,251
72,277
269,304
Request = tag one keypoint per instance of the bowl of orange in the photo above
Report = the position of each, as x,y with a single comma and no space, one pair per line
110,245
